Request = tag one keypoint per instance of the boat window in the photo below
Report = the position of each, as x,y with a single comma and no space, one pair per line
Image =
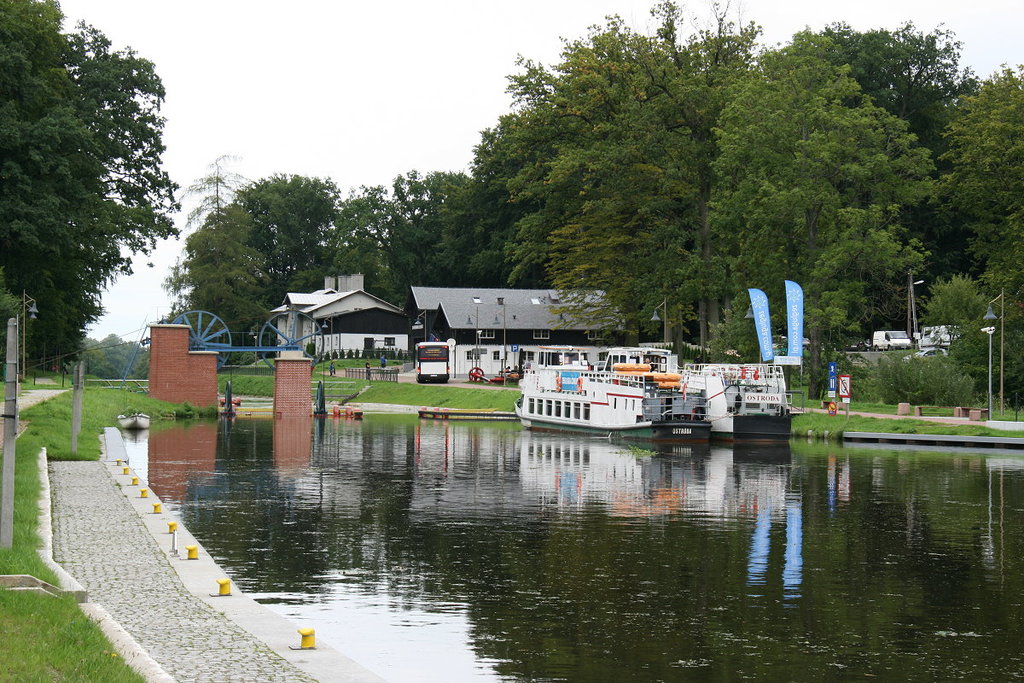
586,411
615,403
558,409
547,407
530,409
576,410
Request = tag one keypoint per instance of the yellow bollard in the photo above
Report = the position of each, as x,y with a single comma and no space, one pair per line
171,526
225,587
143,493
308,641
135,481
119,461
156,508
125,470
193,552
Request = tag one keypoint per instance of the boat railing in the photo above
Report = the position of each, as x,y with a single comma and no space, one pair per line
740,373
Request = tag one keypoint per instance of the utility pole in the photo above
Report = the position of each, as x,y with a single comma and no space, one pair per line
10,435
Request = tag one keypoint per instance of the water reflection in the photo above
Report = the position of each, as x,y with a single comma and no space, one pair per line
448,551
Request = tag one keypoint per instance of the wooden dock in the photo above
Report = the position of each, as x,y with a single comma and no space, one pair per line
936,440
460,414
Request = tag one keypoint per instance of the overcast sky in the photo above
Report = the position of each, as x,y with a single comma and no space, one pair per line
362,92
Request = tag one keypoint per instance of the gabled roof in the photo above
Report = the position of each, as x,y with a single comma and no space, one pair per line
311,302
478,308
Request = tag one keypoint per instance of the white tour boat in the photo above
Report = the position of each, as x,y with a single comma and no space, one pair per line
630,395
745,401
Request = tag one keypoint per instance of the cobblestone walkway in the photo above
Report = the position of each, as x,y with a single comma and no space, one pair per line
100,541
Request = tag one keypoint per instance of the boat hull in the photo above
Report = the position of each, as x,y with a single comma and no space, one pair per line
666,432
132,422
756,429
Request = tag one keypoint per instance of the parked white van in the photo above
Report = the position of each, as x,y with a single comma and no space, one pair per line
887,340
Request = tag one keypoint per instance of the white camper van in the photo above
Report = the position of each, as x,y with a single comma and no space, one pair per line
887,340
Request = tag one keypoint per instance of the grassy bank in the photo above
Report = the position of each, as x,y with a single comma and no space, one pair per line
398,393
47,638
820,423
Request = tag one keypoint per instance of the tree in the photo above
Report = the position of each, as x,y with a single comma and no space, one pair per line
916,76
813,178
621,132
955,302
81,142
986,183
219,272
397,238
290,217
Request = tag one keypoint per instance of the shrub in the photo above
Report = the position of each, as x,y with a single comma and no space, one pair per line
920,381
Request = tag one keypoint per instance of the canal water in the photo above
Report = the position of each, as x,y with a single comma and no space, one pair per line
435,551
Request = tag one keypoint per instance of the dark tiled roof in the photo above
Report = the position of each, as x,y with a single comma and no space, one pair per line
523,308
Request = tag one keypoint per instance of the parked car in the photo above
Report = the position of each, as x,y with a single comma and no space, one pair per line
888,340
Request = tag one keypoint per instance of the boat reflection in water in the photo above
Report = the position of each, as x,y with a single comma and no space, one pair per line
441,551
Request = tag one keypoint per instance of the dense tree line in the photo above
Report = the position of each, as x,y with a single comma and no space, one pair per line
671,171
81,184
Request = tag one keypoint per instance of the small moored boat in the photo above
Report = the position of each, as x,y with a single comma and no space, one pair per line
133,421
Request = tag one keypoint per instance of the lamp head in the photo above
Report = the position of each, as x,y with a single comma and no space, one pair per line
990,315
655,318
32,310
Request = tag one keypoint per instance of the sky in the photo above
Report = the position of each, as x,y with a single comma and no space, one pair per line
362,92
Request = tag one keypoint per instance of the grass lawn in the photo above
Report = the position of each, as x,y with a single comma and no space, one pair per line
47,638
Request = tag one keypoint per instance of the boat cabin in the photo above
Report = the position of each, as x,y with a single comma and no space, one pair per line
659,360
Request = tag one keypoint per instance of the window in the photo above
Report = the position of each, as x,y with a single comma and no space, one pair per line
547,407
576,410
389,341
496,355
487,334
586,411
542,334
558,409
367,342
593,335
530,409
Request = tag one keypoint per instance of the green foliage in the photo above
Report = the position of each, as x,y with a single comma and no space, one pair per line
110,358
919,381
82,190
813,176
289,220
986,151
619,136
955,302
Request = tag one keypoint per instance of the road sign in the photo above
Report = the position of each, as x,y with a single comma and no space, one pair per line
514,347
832,408
844,386
833,369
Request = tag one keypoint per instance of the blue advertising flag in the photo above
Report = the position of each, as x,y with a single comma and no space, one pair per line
762,323
795,318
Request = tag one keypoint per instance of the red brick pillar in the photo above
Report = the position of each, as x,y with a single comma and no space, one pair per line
176,374
292,394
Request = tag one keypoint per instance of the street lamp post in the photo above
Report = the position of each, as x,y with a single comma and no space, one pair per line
664,321
989,330
28,312
912,308
504,333
1002,337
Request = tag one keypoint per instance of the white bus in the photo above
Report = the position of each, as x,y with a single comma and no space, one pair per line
433,362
